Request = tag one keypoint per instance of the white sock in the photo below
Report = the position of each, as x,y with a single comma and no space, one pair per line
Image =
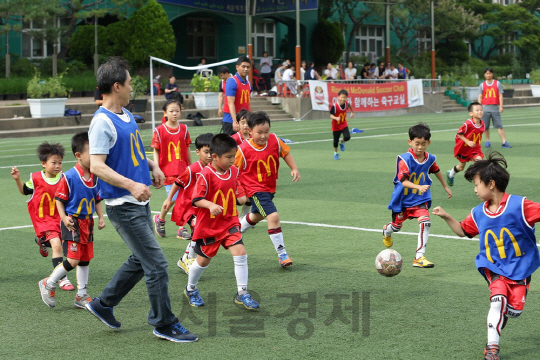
335,152
241,273
195,273
452,173
58,273
82,280
277,240
191,251
495,318
244,225
422,238
388,230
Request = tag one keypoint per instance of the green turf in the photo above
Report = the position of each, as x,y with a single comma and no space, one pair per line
422,313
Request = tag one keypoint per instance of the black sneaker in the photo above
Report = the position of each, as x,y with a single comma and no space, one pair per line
103,313
175,332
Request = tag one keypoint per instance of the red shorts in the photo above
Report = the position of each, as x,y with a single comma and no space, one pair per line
472,157
81,252
418,211
208,248
45,236
514,291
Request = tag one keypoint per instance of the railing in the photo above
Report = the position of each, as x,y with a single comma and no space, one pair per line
300,88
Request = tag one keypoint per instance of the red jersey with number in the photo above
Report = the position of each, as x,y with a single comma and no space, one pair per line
341,113
183,208
239,138
221,189
473,132
260,166
490,93
42,206
173,146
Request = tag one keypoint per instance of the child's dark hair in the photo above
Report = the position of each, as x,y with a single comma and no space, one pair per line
242,114
493,168
473,104
78,141
203,140
490,69
45,150
172,101
258,118
221,144
343,91
243,59
420,131
223,70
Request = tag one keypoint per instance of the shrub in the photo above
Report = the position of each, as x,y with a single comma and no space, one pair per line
140,86
46,66
204,84
82,43
23,68
76,67
328,43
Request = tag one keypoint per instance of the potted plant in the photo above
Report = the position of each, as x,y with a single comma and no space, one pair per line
508,91
535,78
470,89
205,91
448,81
47,98
138,99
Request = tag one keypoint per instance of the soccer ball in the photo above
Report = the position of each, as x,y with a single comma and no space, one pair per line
388,263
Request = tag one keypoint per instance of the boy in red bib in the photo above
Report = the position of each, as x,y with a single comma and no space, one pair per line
468,139
215,196
258,161
41,206
171,151
76,198
184,212
243,132
338,114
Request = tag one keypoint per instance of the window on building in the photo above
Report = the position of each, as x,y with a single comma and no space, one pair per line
201,38
264,38
370,41
509,48
423,41
36,47
508,2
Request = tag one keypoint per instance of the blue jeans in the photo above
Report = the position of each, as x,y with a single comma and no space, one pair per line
134,225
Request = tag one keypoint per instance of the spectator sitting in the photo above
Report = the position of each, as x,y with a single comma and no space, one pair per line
379,71
203,62
311,73
403,72
278,75
172,91
350,71
391,73
156,85
372,70
331,73
288,78
364,74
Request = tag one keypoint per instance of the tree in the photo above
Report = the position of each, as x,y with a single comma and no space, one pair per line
328,42
11,13
150,33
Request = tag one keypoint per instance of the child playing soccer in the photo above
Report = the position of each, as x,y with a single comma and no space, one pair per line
76,197
243,134
258,161
338,114
184,212
411,197
468,139
41,206
215,196
171,151
508,252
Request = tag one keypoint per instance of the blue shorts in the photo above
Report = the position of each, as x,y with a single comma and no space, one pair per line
262,203
168,190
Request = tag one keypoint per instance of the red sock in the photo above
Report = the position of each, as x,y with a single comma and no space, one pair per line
249,221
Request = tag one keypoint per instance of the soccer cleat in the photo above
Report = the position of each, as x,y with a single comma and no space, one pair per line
42,249
247,301
159,225
103,313
66,285
342,146
423,263
194,298
285,260
506,145
449,180
491,352
488,144
80,302
184,263
387,240
183,234
336,156
47,292
175,332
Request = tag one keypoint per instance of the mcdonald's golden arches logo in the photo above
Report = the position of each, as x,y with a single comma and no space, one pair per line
89,206
135,138
342,118
415,180
475,137
415,91
225,202
490,93
176,151
499,243
52,205
244,97
266,166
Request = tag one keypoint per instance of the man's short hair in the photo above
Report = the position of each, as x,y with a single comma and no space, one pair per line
78,141
221,144
112,71
344,92
223,70
45,150
243,59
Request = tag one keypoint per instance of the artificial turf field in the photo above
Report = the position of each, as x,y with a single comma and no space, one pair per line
331,303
